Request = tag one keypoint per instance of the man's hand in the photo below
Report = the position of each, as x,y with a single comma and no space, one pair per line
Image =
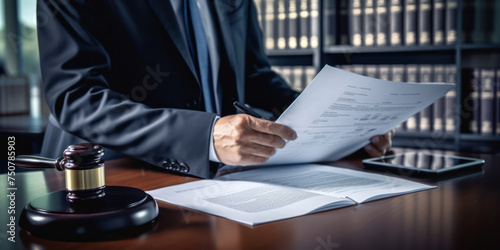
380,144
245,140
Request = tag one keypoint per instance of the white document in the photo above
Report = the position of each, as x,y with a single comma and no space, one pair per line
275,193
340,111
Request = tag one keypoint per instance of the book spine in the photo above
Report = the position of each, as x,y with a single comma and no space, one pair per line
450,100
368,36
497,101
439,21
288,74
398,73
315,29
270,25
358,69
304,24
371,71
426,115
412,76
487,94
298,78
310,74
411,22
282,29
356,22
396,22
439,75
330,23
345,67
343,24
384,72
293,27
425,22
382,22
472,103
451,21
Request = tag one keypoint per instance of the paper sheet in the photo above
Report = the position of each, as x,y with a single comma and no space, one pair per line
340,111
275,193
247,202
333,181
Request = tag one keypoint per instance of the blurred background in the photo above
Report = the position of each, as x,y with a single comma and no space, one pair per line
23,112
454,41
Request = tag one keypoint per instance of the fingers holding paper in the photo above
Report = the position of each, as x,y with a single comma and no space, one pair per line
380,144
246,140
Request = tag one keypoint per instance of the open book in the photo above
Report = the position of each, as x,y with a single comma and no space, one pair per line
279,192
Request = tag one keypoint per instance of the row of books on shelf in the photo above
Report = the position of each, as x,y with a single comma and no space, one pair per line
297,76
393,22
481,105
294,24
289,24
410,22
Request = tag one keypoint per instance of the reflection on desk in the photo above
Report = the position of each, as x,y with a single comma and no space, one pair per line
462,212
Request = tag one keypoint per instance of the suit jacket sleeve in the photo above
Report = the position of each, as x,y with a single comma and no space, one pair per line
264,88
74,69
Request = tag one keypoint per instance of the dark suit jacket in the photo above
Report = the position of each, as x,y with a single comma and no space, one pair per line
117,73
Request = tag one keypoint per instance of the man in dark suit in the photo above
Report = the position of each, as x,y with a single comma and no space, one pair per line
155,80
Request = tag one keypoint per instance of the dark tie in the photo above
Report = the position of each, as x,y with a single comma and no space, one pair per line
199,50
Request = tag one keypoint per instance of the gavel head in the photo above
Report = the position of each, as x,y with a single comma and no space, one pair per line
84,171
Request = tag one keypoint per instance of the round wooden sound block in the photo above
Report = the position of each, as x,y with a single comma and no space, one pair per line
121,210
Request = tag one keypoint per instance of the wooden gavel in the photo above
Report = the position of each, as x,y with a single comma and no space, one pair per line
83,168
84,212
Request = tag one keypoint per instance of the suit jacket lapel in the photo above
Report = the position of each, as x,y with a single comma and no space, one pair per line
163,10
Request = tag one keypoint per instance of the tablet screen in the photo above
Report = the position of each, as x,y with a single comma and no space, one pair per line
425,162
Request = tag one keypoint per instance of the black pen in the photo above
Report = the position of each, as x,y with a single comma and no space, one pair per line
246,110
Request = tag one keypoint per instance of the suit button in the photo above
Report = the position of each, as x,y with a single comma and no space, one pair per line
184,167
174,166
166,164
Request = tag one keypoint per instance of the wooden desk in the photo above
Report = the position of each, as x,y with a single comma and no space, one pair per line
462,212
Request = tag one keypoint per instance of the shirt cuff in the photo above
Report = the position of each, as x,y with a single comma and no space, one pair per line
212,156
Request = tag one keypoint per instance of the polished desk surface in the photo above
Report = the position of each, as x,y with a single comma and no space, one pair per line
462,212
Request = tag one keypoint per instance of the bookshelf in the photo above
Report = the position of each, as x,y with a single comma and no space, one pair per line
458,53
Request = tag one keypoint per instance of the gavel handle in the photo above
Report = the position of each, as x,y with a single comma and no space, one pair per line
37,162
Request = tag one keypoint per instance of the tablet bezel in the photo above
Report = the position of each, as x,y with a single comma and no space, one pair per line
474,162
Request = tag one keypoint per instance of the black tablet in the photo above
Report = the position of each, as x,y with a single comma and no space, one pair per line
422,162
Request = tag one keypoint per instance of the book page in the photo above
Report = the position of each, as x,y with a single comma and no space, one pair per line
247,202
340,111
275,193
333,181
